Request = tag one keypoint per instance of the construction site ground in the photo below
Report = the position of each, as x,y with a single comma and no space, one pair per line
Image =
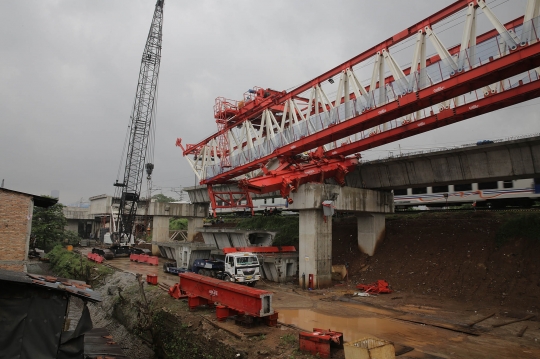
446,272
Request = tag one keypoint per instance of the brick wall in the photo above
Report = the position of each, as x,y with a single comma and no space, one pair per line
15,224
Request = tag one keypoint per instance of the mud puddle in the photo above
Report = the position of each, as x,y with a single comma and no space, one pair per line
426,340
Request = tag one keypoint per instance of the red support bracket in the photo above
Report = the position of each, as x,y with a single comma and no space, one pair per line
229,199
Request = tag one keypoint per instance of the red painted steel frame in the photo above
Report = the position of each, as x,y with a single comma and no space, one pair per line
277,99
260,249
521,60
472,109
250,301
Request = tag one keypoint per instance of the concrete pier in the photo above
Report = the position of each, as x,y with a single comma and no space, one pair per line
315,249
162,212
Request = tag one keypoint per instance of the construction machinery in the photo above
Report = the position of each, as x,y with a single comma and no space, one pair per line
275,141
139,143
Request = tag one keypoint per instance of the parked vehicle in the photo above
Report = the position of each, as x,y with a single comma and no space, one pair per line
239,267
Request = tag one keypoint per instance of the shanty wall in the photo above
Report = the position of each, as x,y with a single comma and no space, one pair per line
15,225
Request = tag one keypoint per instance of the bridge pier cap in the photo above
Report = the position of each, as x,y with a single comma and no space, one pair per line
347,199
312,200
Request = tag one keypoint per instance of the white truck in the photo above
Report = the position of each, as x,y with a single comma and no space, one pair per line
238,267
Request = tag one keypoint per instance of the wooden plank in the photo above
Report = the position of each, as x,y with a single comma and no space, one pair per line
514,321
447,326
482,319
522,331
221,327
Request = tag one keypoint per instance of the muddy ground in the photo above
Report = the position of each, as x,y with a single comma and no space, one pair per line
446,270
448,255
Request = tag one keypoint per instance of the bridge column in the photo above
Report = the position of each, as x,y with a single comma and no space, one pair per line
315,249
192,224
160,231
371,230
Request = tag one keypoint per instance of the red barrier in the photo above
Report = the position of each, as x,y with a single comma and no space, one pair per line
260,249
143,258
251,301
151,279
134,257
95,257
153,260
319,342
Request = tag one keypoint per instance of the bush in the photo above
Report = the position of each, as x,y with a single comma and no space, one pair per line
71,265
524,225
178,224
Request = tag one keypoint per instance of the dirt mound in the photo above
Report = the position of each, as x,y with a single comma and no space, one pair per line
450,255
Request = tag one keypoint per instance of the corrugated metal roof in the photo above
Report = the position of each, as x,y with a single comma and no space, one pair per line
39,201
76,288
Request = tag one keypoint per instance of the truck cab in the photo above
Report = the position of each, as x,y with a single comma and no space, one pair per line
242,267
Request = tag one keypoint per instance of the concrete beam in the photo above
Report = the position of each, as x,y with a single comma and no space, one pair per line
184,210
498,161
311,196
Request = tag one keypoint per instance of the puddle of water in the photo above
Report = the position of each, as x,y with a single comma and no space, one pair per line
357,327
424,338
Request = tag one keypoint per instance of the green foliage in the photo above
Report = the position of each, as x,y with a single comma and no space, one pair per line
48,227
176,224
178,343
523,225
161,198
285,226
72,265
289,339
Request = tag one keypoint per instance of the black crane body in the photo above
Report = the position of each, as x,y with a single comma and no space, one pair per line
128,192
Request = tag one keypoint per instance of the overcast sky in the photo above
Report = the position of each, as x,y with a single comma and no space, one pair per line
69,69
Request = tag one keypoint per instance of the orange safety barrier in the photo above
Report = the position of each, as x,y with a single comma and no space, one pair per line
134,257
143,258
151,279
153,260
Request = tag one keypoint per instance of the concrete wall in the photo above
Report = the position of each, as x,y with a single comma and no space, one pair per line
16,211
499,161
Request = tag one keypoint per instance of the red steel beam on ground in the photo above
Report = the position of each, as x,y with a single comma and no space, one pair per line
521,60
251,301
476,108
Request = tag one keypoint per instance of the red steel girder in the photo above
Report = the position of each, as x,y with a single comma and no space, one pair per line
251,301
289,179
276,98
520,60
472,109
231,199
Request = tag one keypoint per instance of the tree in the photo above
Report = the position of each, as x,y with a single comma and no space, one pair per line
161,198
48,227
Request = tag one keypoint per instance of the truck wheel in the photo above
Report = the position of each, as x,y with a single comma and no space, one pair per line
251,284
229,279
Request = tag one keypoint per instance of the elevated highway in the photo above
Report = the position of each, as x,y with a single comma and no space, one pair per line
508,160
